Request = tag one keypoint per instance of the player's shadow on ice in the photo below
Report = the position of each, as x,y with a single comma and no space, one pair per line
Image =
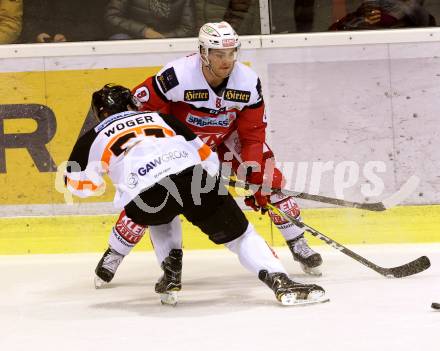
198,298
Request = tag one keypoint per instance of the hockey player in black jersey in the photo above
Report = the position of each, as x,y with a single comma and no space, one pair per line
161,169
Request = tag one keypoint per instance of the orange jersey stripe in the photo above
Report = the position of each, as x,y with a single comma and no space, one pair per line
204,152
82,184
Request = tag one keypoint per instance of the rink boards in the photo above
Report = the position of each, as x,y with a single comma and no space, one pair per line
360,138
328,133
69,234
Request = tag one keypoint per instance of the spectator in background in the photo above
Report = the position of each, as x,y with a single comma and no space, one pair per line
150,19
11,12
243,15
63,20
292,16
304,14
382,14
210,11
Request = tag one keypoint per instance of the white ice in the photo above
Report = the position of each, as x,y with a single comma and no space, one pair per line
47,302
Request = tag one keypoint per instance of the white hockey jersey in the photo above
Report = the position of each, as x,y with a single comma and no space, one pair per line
181,90
136,150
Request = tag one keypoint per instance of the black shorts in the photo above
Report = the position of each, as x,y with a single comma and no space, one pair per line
216,214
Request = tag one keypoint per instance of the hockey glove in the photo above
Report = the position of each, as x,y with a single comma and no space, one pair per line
257,202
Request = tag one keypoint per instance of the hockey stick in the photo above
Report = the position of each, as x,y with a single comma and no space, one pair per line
406,190
419,265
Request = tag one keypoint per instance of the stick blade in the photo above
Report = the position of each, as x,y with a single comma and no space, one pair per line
419,265
403,193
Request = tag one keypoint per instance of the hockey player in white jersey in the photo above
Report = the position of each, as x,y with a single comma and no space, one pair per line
161,169
221,101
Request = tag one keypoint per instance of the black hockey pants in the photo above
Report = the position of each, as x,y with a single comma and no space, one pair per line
216,215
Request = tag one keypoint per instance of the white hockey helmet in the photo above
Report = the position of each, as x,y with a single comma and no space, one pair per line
217,35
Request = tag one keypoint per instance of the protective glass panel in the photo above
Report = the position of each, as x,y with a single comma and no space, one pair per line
302,16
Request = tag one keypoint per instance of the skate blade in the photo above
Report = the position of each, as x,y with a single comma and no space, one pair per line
169,298
99,283
291,300
315,271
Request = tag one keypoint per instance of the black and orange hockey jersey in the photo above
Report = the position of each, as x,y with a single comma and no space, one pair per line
136,150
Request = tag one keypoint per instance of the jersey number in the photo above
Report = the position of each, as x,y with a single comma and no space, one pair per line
117,147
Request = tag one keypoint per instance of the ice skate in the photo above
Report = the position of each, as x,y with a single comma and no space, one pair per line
170,282
106,268
435,306
307,258
291,293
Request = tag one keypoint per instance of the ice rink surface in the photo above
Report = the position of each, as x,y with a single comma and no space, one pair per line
48,302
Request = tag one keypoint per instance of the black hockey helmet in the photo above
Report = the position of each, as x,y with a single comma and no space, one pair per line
111,99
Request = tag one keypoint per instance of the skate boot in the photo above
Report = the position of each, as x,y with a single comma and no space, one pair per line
291,293
170,282
107,266
307,258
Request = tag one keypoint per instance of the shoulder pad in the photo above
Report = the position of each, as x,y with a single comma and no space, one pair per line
168,79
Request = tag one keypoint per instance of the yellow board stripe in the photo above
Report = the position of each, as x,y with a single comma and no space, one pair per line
69,234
